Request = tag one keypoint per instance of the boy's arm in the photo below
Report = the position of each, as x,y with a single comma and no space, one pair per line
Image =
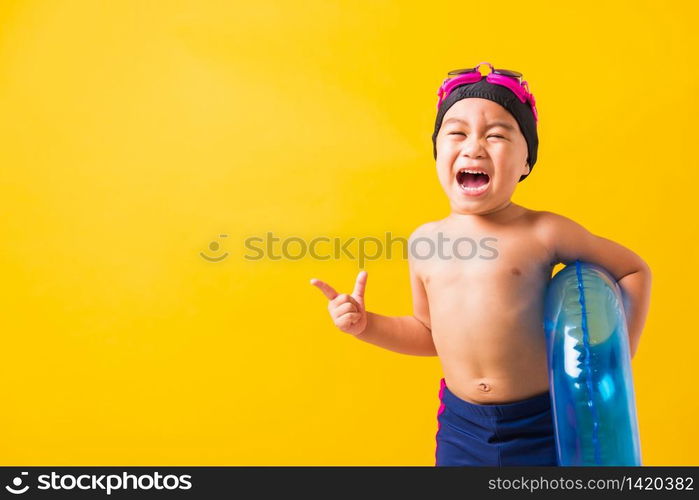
570,241
404,334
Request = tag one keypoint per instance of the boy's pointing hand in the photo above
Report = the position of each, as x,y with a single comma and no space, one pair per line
347,311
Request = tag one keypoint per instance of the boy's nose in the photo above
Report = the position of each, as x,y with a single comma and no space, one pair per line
472,148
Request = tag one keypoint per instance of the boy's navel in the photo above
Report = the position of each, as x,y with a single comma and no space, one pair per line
484,387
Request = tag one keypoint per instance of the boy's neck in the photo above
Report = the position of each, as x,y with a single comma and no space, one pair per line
499,214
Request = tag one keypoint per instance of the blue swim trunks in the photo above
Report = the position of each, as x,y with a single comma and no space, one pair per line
511,434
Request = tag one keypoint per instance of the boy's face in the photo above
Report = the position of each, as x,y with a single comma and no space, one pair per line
470,139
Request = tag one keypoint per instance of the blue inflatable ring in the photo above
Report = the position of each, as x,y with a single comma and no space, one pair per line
589,363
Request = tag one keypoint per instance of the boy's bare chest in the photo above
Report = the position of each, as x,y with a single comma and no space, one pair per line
489,260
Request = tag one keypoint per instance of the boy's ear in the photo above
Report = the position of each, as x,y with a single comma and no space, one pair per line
528,168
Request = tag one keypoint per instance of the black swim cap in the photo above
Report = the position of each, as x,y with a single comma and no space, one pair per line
504,97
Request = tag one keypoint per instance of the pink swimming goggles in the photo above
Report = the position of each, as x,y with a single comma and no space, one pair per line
510,79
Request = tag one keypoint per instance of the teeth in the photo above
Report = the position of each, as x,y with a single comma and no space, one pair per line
473,171
474,189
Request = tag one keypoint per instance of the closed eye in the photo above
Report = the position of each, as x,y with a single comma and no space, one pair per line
461,133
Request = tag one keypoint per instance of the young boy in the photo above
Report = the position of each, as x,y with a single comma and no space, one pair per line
480,308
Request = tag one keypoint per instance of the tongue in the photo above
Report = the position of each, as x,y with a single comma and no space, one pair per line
474,180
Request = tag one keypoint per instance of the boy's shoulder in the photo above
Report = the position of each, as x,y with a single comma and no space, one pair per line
547,221
426,229
539,217
557,231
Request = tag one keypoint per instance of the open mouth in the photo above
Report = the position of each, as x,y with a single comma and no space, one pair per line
472,181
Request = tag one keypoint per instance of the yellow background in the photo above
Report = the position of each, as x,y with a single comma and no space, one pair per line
135,133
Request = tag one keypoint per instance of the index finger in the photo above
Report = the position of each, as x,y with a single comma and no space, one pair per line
327,290
360,284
